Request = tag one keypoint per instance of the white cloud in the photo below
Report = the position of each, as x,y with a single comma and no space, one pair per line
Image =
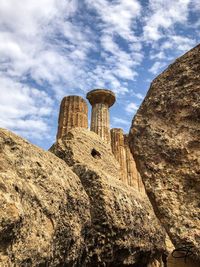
162,17
158,55
177,43
131,107
121,62
156,67
117,16
32,40
51,49
170,48
103,77
195,5
23,108
160,32
182,43
138,95
120,121
34,50
117,19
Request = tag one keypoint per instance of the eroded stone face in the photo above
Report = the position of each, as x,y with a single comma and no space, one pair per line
124,228
83,215
165,141
182,262
44,210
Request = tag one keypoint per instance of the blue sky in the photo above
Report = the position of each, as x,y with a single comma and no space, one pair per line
53,48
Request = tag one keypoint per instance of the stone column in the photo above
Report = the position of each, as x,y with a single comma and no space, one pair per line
132,173
117,145
101,100
73,113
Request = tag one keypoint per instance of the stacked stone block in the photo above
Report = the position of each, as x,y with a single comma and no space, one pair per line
101,100
73,113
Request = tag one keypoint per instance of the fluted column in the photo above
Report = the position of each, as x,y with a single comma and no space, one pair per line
73,113
118,149
101,100
100,121
132,173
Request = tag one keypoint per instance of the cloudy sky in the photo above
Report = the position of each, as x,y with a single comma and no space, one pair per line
53,48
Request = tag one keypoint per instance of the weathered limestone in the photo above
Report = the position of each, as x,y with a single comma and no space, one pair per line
181,262
73,113
156,263
165,141
72,211
101,100
124,230
44,209
117,145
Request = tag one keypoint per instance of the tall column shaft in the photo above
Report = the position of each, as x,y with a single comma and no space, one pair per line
118,149
73,113
100,121
132,173
101,100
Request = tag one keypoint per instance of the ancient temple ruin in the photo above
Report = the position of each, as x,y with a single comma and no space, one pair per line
121,151
101,100
118,149
74,113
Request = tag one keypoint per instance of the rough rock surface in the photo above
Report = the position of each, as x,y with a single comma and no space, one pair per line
49,217
124,228
165,142
44,210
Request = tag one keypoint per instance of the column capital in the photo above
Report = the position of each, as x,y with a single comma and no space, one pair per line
103,96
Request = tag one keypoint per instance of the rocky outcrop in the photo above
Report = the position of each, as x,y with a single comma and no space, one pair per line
50,217
125,231
165,141
44,209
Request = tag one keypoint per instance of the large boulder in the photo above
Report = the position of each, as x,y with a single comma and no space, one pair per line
125,230
83,215
165,142
44,210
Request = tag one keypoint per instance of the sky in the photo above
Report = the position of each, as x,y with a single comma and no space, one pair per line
53,48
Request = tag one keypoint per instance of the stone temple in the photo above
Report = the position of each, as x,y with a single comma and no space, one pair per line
74,113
